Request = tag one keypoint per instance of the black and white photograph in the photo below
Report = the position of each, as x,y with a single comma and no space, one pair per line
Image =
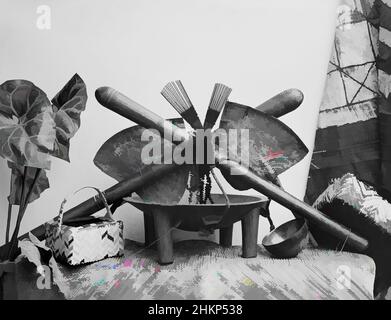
195,155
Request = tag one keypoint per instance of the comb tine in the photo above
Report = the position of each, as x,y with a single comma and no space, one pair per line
219,96
222,92
184,93
181,97
217,101
175,93
213,96
168,94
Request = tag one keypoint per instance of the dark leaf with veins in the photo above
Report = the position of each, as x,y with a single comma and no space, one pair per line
27,127
68,105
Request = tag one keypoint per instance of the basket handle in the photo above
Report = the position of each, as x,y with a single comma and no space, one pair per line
108,215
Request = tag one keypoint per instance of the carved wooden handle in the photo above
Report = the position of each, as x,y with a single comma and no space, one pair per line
126,107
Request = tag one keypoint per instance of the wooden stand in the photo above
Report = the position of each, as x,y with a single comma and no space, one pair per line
165,246
158,227
250,224
250,234
149,229
226,236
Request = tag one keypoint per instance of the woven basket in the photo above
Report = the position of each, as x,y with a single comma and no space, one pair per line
79,243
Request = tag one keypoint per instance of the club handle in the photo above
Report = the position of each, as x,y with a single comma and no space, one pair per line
115,193
282,103
287,200
132,110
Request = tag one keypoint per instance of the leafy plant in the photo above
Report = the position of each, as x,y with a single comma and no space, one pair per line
32,129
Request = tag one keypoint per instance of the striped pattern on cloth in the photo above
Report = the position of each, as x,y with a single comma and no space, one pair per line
361,197
358,206
205,270
354,131
380,17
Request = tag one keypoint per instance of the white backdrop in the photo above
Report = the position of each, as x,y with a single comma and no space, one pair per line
256,47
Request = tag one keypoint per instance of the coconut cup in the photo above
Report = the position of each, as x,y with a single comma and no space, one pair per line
287,240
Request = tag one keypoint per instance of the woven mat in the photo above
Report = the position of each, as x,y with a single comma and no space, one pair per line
203,270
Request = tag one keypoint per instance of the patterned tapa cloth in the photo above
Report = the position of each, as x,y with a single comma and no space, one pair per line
204,270
354,126
358,206
360,197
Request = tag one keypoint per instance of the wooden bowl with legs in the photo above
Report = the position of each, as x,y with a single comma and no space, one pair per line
160,219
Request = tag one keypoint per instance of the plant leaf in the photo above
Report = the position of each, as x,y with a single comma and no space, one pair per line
68,105
27,127
17,180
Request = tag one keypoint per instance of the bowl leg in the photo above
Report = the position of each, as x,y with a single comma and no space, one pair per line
250,224
149,229
226,236
163,226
